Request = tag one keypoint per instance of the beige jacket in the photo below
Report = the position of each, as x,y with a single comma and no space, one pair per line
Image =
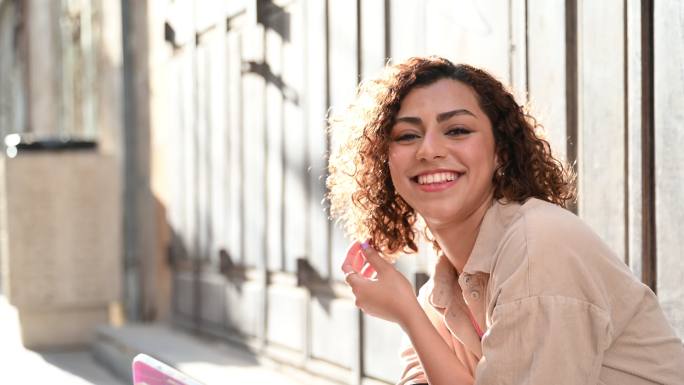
556,306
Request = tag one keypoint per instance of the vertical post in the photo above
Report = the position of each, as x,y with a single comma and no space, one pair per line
388,29
256,54
131,290
648,254
90,75
634,245
139,204
358,367
44,97
196,246
571,89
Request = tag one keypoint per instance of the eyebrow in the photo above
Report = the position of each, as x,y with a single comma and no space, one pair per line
440,117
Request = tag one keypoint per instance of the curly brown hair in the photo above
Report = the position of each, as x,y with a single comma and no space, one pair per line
361,191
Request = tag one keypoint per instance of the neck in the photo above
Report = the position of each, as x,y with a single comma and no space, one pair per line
458,238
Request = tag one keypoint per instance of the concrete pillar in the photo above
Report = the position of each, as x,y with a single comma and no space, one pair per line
60,233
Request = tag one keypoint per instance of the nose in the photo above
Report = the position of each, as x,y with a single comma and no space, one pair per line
431,147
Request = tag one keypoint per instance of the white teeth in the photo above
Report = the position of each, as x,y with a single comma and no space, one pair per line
439,177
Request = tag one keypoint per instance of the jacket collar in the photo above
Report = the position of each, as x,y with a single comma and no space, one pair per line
494,225
481,260
447,291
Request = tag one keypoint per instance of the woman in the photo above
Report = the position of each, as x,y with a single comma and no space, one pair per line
523,292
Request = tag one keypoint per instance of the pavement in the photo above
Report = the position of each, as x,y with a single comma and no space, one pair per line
108,360
23,366
210,361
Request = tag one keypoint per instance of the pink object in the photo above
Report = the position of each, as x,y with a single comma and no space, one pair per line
150,371
477,327
356,261
436,187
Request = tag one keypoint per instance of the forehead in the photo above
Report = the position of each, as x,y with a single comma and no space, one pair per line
440,96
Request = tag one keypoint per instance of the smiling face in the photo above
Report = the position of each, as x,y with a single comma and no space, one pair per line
442,152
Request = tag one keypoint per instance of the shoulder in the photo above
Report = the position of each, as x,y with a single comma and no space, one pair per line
539,215
547,226
549,251
537,227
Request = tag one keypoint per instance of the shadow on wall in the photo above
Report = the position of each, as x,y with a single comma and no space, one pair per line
264,70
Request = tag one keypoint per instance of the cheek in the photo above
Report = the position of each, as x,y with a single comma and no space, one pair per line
483,155
394,173
397,172
394,163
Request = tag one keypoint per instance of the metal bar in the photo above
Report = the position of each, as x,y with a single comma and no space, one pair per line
571,89
648,255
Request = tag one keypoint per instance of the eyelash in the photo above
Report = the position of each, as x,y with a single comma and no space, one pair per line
459,131
456,131
405,137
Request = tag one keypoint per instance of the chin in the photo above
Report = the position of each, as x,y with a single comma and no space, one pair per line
437,217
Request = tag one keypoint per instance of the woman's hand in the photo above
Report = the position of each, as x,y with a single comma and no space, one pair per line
384,293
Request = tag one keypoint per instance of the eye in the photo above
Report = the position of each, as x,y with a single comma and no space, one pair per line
406,137
458,131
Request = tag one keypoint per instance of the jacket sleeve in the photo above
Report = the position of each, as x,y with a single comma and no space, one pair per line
413,372
544,340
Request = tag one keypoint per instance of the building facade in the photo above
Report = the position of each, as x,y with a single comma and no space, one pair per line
222,140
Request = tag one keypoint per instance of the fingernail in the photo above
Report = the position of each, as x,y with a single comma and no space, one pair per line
365,245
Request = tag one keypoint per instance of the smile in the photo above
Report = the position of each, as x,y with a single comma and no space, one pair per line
439,177
436,181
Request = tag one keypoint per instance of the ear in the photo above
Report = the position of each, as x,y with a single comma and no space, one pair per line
498,167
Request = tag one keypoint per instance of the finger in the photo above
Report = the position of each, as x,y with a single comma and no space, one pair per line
351,257
347,268
374,258
367,271
353,279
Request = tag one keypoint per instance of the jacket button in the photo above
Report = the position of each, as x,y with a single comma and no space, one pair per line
475,294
